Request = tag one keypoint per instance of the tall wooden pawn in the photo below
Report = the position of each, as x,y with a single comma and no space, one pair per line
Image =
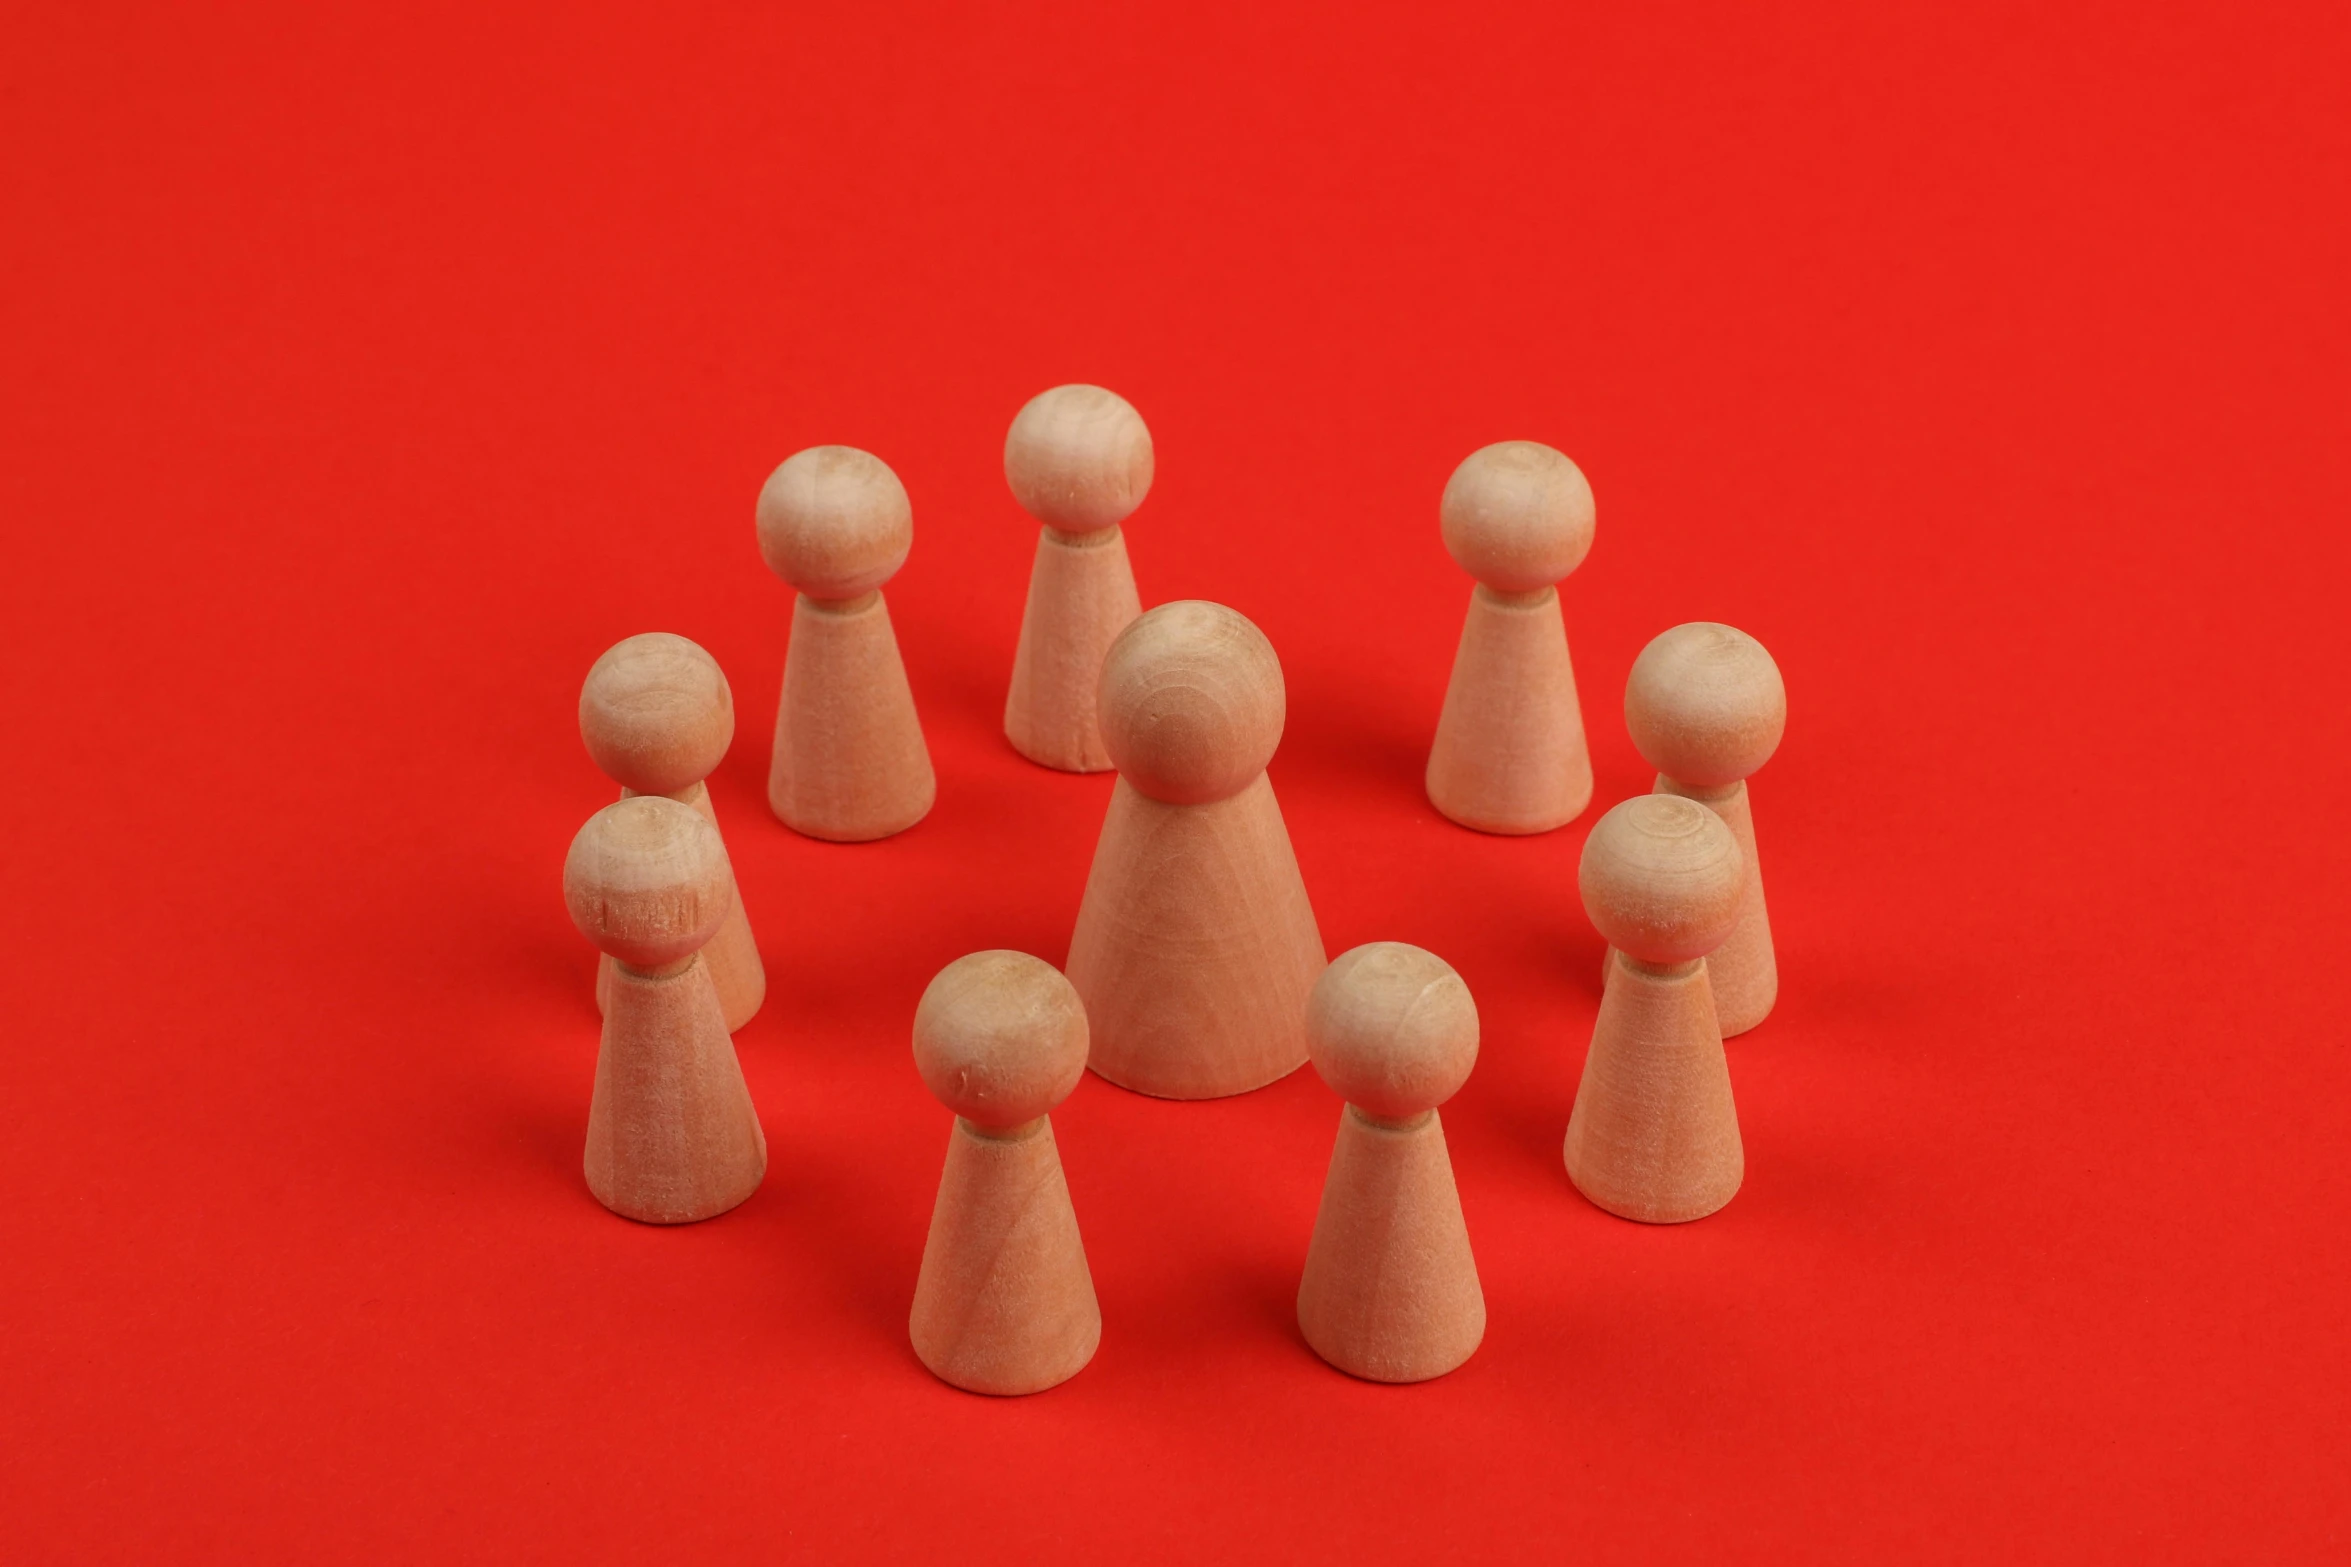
1079,460
1654,1134
657,718
1510,755
850,762
1391,1292
672,1136
1005,1302
1195,946
1706,708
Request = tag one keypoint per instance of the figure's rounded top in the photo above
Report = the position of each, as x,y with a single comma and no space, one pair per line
1517,516
1000,1038
1705,704
647,881
834,522
1078,458
1661,878
1191,702
656,713
1392,1029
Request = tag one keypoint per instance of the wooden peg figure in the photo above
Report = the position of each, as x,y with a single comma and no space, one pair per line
1706,708
657,717
672,1136
1195,946
1005,1302
1391,1292
1079,460
1654,1134
850,763
1510,755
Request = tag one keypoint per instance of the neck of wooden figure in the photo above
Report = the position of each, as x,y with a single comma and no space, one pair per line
1002,1134
670,971
691,794
863,601
1409,1123
1661,970
1502,600
1100,538
1716,797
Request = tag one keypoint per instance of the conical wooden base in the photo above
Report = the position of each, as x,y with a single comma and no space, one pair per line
1005,1302
850,762
1195,947
1744,971
1391,1292
1654,1135
1081,596
732,956
672,1136
1510,755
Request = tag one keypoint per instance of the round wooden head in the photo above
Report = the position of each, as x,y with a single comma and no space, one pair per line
1000,1038
1392,1029
656,713
1078,458
1662,878
1191,702
647,881
1705,704
834,522
1517,516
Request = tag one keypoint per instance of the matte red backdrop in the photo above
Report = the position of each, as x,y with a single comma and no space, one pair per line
367,374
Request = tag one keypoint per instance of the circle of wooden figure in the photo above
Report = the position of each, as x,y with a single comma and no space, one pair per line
1391,1292
657,718
850,762
1654,1134
1079,460
1195,946
1706,708
1510,755
672,1136
1005,1302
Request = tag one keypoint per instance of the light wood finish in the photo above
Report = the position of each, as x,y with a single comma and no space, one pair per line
672,1135
1004,1302
1079,460
1510,754
657,717
1081,596
850,763
1654,1135
1390,1291
1196,946
1706,708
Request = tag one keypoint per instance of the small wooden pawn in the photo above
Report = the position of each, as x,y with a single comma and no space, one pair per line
657,717
672,1135
1654,1134
850,763
1706,708
1510,754
1195,946
1391,1291
1079,460
1005,1302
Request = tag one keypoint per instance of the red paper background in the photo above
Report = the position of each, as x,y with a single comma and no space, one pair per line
368,372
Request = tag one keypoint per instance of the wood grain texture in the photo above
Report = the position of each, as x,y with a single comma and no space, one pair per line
850,762
1390,1291
1005,1301
1510,754
1196,947
1081,596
